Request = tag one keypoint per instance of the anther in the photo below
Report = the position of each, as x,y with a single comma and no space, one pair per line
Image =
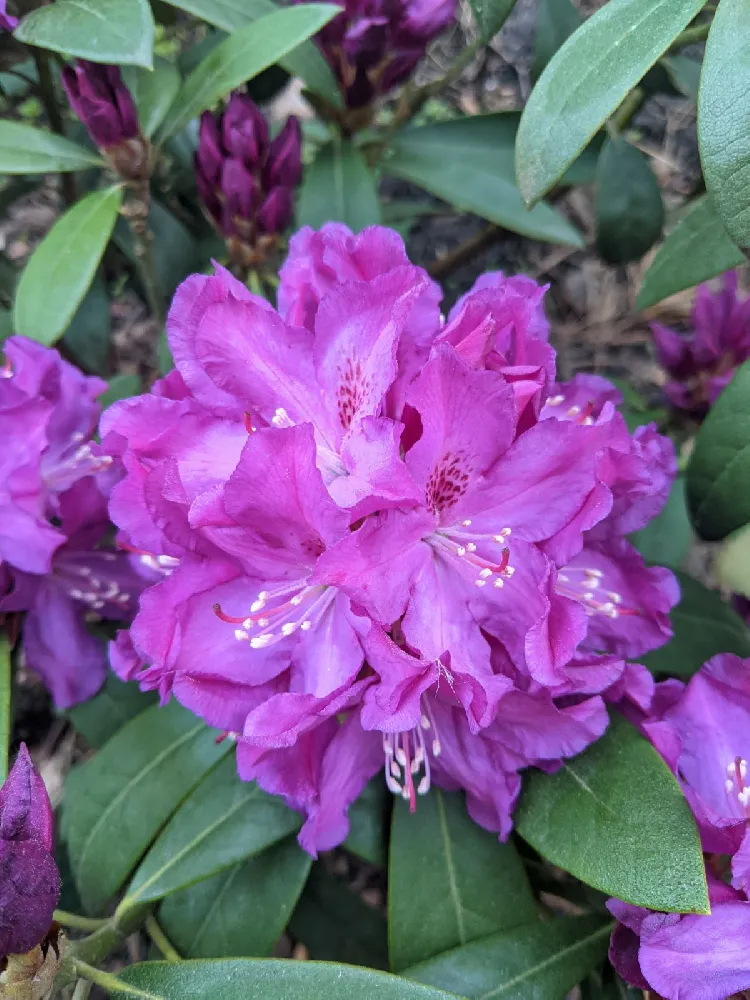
259,641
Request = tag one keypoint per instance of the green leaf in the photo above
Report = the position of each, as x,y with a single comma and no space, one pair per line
62,267
491,15
586,81
732,565
703,625
444,865
555,22
615,817
242,911
99,718
5,689
685,74
222,822
87,339
266,978
336,925
629,207
540,961
153,92
164,354
338,187
718,475
667,539
243,55
304,61
104,31
724,117
176,253
368,820
117,802
121,386
698,248
469,163
28,150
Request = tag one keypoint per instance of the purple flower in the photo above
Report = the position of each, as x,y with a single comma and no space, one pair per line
247,182
29,880
363,518
7,21
101,100
53,515
701,365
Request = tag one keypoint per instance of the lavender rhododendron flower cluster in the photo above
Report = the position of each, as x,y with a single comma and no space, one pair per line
29,879
388,539
702,730
699,366
53,519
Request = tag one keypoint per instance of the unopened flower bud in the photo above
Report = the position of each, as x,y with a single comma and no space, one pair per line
244,130
284,163
275,213
101,100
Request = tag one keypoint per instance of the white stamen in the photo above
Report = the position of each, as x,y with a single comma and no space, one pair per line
480,583
306,625
485,572
257,606
466,523
288,627
498,583
240,634
259,641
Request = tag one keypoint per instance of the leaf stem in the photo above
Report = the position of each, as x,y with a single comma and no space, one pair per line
49,100
98,946
106,980
82,990
161,940
78,922
696,33
135,212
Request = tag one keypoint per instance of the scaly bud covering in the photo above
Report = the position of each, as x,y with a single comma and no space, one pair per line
392,542
699,366
29,880
53,514
373,45
246,182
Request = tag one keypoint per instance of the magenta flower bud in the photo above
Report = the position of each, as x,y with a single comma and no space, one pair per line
209,156
241,197
276,212
284,163
244,130
29,879
7,21
101,100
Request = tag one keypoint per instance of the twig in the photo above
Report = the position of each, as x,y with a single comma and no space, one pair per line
79,956
463,253
82,990
629,107
49,99
135,211
696,33
78,922
161,940
106,980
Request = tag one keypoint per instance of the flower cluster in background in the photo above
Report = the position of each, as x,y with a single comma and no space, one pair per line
388,540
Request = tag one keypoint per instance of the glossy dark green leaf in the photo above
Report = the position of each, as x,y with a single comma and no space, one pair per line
222,822
104,31
629,208
685,74
444,865
338,187
586,81
116,803
556,21
87,339
153,92
121,386
491,15
245,53
266,979
469,163
99,718
28,150
704,625
242,911
724,117
304,61
368,823
718,475
5,689
615,817
539,961
698,248
62,267
666,540
336,925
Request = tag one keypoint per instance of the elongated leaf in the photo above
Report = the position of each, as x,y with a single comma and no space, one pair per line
87,339
443,864
121,386
491,15
718,476
698,248
28,150
62,267
629,207
336,925
104,31
732,565
304,61
153,92
615,818
587,79
99,718
469,163
266,978
223,821
368,820
242,911
555,23
243,55
703,625
534,962
338,187
666,540
116,803
724,117
5,689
